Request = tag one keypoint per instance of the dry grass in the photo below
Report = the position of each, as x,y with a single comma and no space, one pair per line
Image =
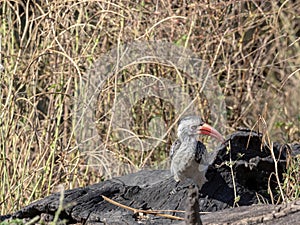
47,48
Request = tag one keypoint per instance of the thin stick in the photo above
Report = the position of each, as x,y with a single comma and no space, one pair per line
152,212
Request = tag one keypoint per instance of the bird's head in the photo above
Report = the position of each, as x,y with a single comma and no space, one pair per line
193,126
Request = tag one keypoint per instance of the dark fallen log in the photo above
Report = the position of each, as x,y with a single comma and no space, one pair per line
252,166
257,214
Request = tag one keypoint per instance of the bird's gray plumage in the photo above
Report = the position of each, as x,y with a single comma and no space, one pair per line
189,157
199,151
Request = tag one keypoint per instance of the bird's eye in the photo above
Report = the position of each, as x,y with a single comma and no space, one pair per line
194,127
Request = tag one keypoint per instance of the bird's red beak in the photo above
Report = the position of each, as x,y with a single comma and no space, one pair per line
210,131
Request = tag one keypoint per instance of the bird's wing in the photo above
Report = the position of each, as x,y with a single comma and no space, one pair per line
200,151
204,158
175,146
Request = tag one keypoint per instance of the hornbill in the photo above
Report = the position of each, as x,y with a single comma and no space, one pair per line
189,157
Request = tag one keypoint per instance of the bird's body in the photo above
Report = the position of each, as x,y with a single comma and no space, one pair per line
189,157
186,160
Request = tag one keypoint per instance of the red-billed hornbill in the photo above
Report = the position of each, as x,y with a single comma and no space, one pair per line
189,157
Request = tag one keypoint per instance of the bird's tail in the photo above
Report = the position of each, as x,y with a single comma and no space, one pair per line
201,179
207,159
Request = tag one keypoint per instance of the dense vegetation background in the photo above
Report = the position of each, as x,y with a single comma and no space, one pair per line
47,47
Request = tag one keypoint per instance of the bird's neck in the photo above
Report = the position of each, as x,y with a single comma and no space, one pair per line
188,139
